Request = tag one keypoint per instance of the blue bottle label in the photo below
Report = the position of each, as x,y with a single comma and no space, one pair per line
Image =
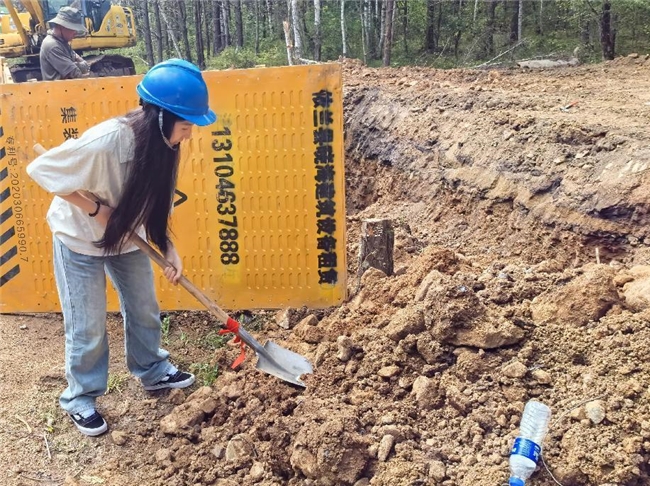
526,448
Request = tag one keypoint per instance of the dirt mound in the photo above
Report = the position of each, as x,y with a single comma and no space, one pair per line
521,271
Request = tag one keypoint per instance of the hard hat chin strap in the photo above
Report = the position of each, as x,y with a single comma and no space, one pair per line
160,124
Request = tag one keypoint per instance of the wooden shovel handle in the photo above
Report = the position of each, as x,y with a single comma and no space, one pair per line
189,286
214,309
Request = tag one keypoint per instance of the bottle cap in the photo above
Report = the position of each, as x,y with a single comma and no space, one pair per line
516,482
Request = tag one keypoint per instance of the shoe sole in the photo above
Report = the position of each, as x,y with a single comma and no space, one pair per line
178,384
92,432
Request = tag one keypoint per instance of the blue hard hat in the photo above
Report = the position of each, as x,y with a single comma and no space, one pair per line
178,87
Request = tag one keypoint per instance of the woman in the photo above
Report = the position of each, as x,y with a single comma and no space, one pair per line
119,178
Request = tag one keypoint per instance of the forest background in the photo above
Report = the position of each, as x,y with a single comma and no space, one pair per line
221,34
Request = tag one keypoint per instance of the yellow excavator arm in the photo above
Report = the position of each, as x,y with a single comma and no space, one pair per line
108,27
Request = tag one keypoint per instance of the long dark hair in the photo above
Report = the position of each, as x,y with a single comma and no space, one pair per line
148,192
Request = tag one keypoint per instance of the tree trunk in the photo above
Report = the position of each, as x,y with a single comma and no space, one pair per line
217,44
405,24
181,20
147,33
158,26
541,17
239,24
607,32
382,28
297,36
459,32
200,56
364,32
317,31
376,245
225,23
287,38
490,27
430,39
343,40
257,28
170,29
269,16
207,34
520,20
388,37
514,22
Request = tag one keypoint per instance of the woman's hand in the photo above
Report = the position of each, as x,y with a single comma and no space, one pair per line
173,273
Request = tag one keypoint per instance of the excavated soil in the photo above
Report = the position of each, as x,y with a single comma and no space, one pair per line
519,201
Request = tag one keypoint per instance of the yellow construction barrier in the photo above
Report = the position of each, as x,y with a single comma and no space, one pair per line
259,214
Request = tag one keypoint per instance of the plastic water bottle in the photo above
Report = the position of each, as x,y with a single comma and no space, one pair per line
528,445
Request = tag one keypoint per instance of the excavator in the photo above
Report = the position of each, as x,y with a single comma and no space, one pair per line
24,25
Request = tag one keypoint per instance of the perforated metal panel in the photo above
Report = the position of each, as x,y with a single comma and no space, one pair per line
259,215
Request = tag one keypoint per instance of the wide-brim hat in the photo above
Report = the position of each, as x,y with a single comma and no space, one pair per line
70,18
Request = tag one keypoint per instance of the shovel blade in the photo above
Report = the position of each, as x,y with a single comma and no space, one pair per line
282,363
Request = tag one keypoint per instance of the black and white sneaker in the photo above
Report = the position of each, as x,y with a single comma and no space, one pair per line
179,379
89,422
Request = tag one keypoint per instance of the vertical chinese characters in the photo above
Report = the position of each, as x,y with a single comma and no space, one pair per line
325,188
13,240
69,117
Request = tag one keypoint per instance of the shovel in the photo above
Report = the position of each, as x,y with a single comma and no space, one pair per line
271,358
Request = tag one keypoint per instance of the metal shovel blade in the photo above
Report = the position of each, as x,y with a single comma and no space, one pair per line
278,361
286,365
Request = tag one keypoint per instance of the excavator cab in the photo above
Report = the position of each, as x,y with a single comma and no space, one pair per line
108,27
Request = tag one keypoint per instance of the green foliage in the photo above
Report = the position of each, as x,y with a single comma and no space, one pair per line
116,382
213,340
206,374
233,58
165,325
463,32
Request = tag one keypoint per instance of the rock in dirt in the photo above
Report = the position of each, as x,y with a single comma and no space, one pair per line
455,315
307,331
586,298
542,377
119,437
176,396
637,291
429,348
427,392
345,348
385,447
218,451
389,371
163,455
330,447
595,411
257,471
437,470
432,279
286,318
487,333
515,369
409,320
240,450
190,413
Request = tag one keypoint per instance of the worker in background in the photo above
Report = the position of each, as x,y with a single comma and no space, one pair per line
58,60
117,179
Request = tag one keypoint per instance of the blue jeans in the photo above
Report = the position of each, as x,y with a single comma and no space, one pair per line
81,283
